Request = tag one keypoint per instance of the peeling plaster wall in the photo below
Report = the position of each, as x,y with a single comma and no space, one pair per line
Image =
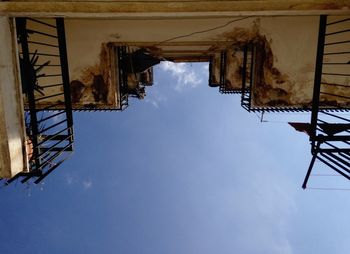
285,64
95,87
286,61
216,69
234,63
86,40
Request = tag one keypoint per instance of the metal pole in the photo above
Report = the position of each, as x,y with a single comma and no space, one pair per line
318,77
65,74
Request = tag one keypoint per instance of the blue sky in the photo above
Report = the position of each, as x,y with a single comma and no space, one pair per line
186,170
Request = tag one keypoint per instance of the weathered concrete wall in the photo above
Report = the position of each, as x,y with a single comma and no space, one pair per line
90,46
216,69
285,58
95,86
289,43
152,9
234,63
12,149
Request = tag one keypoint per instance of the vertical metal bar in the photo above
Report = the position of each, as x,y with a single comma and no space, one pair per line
21,23
223,69
251,76
244,70
123,76
120,78
65,74
318,76
308,173
210,70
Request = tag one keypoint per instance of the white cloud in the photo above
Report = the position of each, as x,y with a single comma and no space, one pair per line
87,184
186,77
155,97
69,179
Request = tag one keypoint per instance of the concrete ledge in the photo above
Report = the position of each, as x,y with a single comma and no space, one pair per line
12,149
172,9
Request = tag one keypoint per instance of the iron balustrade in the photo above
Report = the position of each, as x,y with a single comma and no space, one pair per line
141,77
223,63
221,58
222,73
224,87
247,76
122,77
330,131
48,108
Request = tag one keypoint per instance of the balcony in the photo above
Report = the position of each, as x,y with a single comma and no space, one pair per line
44,77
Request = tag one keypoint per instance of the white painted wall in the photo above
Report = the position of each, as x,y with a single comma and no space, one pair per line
12,131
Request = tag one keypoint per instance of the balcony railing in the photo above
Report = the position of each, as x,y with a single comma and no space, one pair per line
218,59
330,131
123,78
44,75
247,76
134,72
229,83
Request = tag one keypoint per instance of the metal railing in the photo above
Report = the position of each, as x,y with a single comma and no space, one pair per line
224,88
247,76
122,78
330,131
222,73
132,82
45,83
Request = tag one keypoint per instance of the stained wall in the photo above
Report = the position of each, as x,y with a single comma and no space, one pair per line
285,59
290,44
